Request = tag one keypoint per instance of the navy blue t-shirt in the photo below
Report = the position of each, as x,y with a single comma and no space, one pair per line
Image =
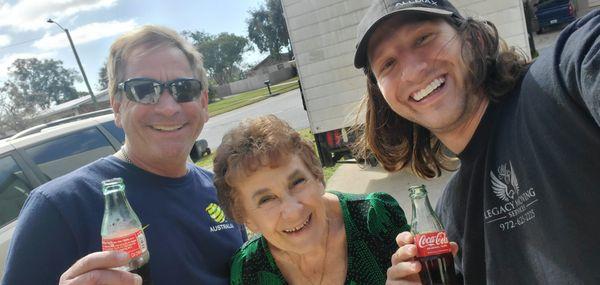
60,223
524,204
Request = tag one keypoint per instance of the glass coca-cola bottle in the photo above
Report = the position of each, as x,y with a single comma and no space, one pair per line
122,230
433,248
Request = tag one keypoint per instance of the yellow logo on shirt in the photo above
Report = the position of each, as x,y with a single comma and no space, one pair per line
215,212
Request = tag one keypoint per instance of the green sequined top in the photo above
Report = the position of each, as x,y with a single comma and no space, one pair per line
372,222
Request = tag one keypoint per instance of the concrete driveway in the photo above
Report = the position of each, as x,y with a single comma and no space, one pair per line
355,178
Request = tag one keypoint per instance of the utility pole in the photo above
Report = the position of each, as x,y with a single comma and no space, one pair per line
78,61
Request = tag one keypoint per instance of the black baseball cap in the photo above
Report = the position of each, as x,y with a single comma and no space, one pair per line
381,10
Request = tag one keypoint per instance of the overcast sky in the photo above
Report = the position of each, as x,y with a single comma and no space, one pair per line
94,24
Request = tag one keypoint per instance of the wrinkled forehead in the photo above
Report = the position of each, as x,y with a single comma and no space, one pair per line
140,52
251,164
149,55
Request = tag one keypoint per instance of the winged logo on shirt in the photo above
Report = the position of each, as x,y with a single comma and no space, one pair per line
505,185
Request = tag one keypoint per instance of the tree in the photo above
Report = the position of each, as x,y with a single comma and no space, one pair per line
15,111
33,85
102,78
222,53
267,28
40,83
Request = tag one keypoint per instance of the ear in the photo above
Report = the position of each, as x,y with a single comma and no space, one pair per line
204,104
204,97
116,107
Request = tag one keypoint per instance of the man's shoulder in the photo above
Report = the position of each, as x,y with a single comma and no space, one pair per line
200,172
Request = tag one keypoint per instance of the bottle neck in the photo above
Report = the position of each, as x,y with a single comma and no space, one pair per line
424,218
115,199
421,206
118,211
421,202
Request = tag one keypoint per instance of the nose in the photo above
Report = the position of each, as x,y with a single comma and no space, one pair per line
291,208
413,68
167,106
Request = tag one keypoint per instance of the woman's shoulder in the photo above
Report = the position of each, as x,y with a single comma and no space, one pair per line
367,200
250,250
373,213
251,264
372,223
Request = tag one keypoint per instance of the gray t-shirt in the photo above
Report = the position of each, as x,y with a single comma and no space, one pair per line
525,203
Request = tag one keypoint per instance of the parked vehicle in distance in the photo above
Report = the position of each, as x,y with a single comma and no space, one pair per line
42,153
554,12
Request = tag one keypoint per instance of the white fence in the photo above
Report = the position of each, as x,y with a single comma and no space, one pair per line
255,82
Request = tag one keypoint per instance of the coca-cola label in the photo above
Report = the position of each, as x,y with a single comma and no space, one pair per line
134,244
433,243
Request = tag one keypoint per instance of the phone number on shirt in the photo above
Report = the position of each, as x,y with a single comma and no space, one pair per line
512,223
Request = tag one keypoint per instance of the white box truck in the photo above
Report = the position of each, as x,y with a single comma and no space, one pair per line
323,38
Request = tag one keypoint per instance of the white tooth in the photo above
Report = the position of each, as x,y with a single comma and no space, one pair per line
297,228
427,90
166,128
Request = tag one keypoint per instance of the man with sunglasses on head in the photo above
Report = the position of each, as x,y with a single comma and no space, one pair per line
523,205
158,92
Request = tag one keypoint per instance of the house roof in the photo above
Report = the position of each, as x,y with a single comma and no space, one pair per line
270,60
72,104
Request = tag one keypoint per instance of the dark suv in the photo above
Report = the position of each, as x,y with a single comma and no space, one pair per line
42,153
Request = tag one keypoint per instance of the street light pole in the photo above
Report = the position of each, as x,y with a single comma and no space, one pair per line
78,61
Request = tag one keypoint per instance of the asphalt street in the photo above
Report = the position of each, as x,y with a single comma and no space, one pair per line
287,106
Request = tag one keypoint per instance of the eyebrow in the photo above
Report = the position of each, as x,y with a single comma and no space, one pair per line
260,193
295,174
417,27
291,177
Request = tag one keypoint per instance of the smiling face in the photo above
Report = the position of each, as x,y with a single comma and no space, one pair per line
419,70
285,204
158,134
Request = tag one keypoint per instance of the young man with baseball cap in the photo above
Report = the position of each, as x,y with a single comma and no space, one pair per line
522,203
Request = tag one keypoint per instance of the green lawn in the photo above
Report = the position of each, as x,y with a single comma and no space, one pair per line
207,160
250,97
305,133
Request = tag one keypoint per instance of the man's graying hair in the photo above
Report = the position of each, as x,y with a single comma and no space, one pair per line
493,70
148,38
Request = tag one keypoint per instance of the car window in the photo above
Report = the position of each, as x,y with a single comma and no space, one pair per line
115,131
67,153
14,189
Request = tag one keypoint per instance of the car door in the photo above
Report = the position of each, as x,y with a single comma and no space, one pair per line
15,184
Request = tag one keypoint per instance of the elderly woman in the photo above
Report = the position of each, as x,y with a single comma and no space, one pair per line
270,179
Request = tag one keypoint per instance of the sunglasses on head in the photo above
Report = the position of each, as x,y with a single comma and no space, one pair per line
148,90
